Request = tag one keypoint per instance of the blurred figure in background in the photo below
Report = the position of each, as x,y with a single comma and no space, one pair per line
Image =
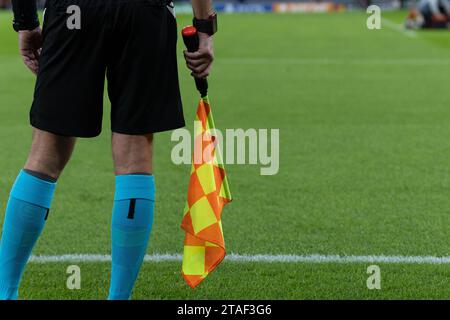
430,14
4,4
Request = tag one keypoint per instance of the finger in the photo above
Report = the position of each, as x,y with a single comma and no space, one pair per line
35,71
203,74
31,64
192,55
37,54
200,69
197,70
30,54
30,57
33,68
190,68
198,55
27,53
196,63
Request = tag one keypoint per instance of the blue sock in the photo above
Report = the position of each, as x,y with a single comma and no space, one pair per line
132,222
26,212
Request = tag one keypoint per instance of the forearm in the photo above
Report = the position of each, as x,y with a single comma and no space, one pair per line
202,8
25,14
205,21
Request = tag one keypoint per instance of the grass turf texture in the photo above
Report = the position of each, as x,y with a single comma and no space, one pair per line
363,118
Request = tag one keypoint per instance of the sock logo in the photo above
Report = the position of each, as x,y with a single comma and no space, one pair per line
132,209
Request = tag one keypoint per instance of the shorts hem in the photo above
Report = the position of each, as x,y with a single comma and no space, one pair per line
65,133
147,130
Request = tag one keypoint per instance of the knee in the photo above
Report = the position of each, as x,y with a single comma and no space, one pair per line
48,164
49,153
132,154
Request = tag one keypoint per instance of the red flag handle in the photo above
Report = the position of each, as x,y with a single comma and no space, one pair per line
192,43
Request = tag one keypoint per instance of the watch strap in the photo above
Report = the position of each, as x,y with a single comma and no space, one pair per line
208,26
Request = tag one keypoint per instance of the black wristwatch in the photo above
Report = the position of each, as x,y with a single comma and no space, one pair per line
208,26
25,26
25,15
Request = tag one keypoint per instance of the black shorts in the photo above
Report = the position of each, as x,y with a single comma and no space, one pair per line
133,43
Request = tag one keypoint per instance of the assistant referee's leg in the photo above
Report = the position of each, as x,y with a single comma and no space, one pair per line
133,210
29,204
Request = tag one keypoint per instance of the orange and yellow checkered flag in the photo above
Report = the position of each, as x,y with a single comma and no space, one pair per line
204,246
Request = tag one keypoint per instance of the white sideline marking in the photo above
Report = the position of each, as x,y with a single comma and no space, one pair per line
331,61
244,258
398,27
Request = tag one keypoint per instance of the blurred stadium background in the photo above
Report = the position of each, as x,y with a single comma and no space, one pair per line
364,160
267,5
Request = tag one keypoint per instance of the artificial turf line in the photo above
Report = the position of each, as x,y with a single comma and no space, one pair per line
245,258
333,61
398,27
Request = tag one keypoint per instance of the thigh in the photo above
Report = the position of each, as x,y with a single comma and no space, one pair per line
132,153
69,89
142,74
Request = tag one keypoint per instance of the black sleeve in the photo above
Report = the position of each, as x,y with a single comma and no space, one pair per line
25,14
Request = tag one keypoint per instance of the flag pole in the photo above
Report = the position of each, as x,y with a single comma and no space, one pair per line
192,42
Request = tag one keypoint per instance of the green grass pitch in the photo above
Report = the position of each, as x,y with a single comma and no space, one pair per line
364,123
